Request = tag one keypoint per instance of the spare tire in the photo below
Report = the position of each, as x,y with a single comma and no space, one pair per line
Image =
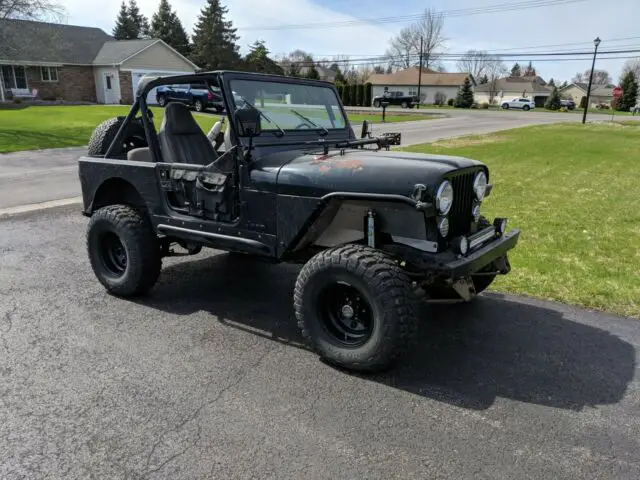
105,133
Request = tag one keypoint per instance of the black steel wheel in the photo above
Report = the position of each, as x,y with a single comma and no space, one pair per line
162,100
124,252
199,106
355,307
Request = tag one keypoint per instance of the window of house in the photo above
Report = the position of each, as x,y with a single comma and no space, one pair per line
108,82
49,74
14,76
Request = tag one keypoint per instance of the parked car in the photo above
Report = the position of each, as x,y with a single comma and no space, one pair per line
396,98
570,104
519,102
635,109
197,96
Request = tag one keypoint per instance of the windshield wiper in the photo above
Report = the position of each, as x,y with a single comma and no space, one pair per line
281,131
322,130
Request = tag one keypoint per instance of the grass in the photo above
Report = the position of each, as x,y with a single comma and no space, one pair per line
68,126
375,118
573,191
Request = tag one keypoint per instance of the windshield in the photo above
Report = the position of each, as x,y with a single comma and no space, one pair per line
290,106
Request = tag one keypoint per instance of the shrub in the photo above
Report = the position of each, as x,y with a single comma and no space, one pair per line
583,102
615,103
346,95
17,100
439,98
450,102
353,94
553,102
340,89
485,105
360,95
367,94
564,109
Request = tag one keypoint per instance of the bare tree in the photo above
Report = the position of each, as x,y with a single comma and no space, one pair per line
631,65
474,62
494,70
600,77
404,48
31,9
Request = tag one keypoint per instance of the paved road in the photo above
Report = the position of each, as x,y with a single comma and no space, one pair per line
206,378
34,177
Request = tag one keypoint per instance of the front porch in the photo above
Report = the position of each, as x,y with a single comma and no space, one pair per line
50,83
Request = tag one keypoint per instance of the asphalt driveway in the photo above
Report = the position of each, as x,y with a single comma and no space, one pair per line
207,378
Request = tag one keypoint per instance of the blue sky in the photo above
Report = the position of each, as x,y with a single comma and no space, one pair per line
575,22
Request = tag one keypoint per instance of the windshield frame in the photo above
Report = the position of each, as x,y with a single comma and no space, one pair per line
228,77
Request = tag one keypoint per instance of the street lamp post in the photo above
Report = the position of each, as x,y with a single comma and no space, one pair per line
596,42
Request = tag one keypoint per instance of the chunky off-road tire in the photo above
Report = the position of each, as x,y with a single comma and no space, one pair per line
132,266
162,100
385,291
105,132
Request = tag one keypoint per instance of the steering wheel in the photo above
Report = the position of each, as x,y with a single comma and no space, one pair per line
298,127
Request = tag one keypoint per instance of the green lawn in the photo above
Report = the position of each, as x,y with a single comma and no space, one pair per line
67,126
574,191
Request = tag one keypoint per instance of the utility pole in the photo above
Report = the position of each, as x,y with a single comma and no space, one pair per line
420,72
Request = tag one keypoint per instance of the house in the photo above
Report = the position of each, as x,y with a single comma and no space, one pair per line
503,89
79,64
600,94
434,86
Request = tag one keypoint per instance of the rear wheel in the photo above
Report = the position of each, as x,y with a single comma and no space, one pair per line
355,307
404,104
526,107
505,106
199,106
376,103
124,252
162,100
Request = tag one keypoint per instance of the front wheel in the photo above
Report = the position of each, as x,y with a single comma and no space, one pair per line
199,106
404,104
162,100
124,252
526,108
355,307
505,106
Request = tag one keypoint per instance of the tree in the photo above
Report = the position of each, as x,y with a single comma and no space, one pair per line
553,102
346,95
551,82
404,48
214,39
130,23
495,70
515,70
484,79
31,9
465,95
379,69
293,70
353,94
389,70
312,72
530,71
166,26
600,77
367,94
360,96
564,84
631,65
474,62
257,60
629,87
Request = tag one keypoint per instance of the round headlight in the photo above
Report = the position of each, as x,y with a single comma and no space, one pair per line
480,185
460,245
444,197
475,212
443,226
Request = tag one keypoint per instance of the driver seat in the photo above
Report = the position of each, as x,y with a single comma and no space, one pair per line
181,138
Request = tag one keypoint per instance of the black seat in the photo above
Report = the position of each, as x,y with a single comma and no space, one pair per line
182,140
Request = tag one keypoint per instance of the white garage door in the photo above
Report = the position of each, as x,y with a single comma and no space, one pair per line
136,75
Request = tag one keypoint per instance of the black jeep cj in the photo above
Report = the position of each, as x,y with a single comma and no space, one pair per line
286,179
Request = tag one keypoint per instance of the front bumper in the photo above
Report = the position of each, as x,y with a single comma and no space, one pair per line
450,265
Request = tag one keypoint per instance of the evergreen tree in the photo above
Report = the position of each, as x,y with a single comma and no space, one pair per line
484,79
346,95
629,87
551,83
389,70
130,23
367,94
124,27
139,21
530,71
339,80
214,39
464,98
353,94
257,60
312,72
515,70
293,70
166,26
553,102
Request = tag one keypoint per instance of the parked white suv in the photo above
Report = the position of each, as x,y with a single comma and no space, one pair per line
520,102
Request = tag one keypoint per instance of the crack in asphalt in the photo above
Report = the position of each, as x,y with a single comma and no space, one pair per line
195,415
8,319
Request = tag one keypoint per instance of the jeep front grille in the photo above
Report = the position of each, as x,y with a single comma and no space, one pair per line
460,214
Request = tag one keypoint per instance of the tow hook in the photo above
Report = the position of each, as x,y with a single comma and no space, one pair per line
465,288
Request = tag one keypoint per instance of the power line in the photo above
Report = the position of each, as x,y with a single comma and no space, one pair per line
464,12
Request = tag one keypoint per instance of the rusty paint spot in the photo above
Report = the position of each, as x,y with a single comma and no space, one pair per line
350,164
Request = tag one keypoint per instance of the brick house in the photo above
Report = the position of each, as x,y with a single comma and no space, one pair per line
78,64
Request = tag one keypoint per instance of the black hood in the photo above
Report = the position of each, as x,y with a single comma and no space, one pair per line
358,171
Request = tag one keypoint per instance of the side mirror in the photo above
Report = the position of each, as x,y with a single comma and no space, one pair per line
248,122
